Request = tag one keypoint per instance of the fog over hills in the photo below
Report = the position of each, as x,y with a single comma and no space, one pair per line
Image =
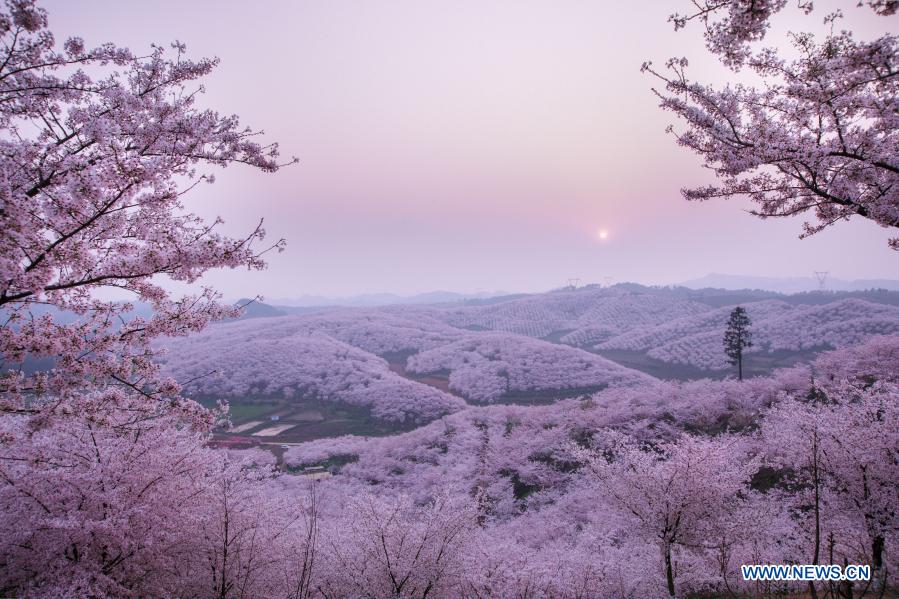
381,299
714,281
788,284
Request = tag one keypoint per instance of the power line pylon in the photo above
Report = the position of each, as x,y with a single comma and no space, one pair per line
821,275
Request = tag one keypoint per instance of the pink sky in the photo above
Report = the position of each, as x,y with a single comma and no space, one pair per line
467,145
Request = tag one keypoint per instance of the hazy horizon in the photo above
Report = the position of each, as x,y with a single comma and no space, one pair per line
468,147
732,282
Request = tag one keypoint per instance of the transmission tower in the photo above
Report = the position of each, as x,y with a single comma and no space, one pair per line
608,281
821,275
573,283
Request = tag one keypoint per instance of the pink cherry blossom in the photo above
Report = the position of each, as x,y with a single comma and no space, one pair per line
817,135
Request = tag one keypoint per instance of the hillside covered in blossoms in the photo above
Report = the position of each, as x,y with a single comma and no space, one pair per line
418,363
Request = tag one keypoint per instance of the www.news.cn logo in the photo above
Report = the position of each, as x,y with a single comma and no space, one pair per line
806,572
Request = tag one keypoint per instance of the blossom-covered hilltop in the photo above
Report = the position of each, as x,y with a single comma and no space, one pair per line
416,363
575,496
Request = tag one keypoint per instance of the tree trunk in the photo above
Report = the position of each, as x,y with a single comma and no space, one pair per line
848,590
877,553
669,570
740,366
817,485
877,574
832,589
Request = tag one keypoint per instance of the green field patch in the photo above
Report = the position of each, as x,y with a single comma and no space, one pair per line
299,420
542,397
241,410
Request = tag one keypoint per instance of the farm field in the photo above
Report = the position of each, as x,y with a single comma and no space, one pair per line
297,422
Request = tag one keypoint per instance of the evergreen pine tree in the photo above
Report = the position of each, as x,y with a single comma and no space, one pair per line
736,337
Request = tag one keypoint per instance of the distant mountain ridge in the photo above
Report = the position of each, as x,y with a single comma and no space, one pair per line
713,296
257,309
370,300
787,284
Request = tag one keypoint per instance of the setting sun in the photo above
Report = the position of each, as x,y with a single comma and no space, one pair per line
602,234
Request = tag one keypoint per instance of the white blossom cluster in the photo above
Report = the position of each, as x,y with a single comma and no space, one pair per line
776,326
586,316
251,362
486,366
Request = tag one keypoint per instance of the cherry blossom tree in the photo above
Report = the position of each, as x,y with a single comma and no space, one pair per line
99,147
94,503
250,539
113,507
676,493
103,471
818,134
839,445
390,547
